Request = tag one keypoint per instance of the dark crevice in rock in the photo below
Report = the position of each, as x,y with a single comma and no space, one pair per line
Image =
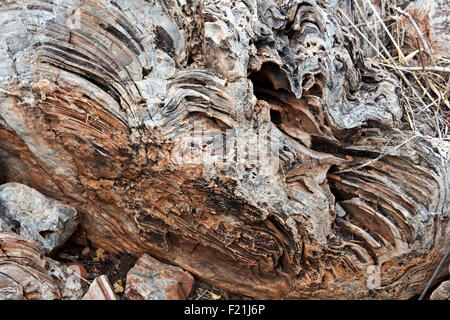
270,76
275,116
2,173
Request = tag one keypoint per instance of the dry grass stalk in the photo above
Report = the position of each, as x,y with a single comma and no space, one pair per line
426,88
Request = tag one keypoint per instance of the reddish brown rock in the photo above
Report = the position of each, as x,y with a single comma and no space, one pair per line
101,131
431,17
150,279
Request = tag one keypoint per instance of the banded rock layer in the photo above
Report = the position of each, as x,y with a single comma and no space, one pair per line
101,100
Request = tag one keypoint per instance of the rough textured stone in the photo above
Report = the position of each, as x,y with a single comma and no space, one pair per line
433,19
150,279
442,292
22,261
25,273
4,227
91,113
34,216
69,284
100,289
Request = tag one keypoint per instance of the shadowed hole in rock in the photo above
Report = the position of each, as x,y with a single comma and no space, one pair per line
269,76
275,116
15,226
45,234
2,173
298,118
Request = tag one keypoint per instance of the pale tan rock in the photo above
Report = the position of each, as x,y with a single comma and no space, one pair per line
151,279
68,282
442,292
100,289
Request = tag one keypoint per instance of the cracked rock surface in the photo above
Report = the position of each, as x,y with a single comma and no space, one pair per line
32,215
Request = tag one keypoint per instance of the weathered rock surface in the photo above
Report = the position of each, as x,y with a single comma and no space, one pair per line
34,216
100,289
432,17
69,284
442,292
151,279
98,100
25,273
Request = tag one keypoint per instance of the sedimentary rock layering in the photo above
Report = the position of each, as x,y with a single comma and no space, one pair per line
249,142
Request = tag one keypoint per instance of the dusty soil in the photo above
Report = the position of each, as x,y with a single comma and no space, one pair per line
116,267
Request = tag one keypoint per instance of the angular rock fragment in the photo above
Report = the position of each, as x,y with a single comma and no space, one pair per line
442,292
150,279
100,289
34,216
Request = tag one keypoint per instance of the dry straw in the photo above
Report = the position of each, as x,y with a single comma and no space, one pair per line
424,78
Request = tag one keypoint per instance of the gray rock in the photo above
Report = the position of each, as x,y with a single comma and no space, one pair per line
32,215
3,226
68,282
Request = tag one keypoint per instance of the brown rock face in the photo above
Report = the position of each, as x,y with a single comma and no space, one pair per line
247,142
150,279
432,19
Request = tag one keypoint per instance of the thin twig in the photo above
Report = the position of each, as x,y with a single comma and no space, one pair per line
370,23
79,276
380,156
201,294
413,22
428,68
401,55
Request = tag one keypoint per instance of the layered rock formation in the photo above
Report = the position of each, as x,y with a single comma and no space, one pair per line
248,142
26,274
